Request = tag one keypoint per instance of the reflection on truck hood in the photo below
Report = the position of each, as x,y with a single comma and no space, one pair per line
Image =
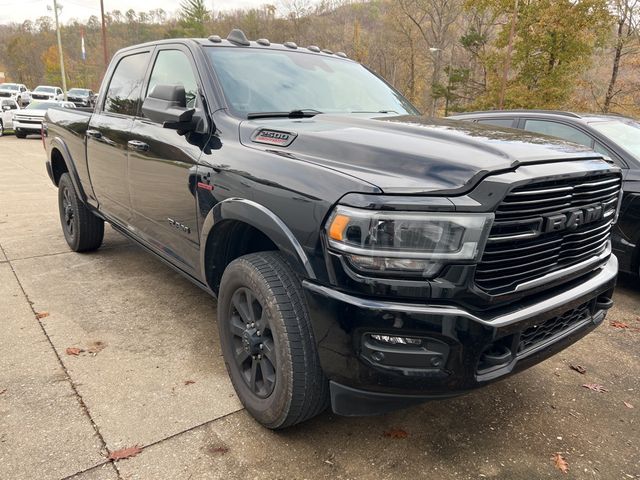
409,154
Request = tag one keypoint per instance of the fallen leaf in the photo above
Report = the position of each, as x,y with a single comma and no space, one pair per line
96,347
3,391
560,462
578,368
626,404
74,351
395,433
220,449
189,382
616,324
595,387
40,315
125,453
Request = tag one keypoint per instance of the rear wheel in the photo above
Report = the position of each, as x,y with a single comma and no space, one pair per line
1,128
267,341
83,231
21,134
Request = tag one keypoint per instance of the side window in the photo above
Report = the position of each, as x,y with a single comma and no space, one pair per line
172,67
559,130
125,87
497,122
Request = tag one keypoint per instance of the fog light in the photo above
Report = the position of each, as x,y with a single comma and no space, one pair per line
391,340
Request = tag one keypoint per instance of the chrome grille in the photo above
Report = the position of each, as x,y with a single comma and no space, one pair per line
518,254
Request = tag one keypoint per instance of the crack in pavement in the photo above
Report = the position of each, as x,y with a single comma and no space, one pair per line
62,365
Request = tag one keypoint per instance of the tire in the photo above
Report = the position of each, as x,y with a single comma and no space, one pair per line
20,134
82,230
1,128
288,384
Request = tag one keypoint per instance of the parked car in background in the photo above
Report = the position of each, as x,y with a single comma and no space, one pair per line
29,120
45,92
615,136
82,97
8,109
16,91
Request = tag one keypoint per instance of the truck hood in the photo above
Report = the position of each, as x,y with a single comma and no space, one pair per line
409,154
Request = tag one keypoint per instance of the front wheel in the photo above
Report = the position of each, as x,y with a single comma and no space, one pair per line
268,343
1,128
83,231
20,134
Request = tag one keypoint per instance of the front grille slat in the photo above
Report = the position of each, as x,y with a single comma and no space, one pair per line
507,262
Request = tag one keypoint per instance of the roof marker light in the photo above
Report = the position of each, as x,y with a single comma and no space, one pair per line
238,37
263,41
215,39
313,48
290,45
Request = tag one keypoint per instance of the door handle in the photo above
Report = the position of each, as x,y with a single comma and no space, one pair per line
137,145
94,134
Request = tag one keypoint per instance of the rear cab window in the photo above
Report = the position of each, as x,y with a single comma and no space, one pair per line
123,95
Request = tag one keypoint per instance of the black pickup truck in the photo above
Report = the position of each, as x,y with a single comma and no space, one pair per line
361,255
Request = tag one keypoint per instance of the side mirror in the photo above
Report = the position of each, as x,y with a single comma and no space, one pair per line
167,104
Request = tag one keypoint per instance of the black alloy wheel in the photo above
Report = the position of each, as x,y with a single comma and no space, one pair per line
253,343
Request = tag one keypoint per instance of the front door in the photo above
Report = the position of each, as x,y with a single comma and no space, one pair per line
162,168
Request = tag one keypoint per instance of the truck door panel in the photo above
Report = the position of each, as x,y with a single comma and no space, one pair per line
109,133
162,170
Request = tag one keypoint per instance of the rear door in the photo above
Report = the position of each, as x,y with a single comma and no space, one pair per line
162,167
110,130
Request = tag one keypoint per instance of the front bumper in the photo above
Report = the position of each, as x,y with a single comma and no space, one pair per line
460,351
31,126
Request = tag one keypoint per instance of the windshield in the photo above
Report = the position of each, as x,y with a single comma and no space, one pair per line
42,105
625,133
45,89
256,81
79,92
9,86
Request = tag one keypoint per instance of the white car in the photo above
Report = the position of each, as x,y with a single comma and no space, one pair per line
30,119
15,91
8,108
46,92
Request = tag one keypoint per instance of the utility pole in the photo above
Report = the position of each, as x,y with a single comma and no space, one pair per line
64,76
507,62
104,36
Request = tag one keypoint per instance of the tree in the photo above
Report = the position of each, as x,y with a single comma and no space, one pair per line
435,20
194,16
553,42
627,13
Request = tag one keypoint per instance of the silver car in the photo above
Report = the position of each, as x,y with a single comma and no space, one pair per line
8,110
30,119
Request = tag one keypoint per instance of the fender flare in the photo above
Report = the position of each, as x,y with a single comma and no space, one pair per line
59,144
263,219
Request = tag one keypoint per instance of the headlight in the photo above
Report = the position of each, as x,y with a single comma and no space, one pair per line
418,243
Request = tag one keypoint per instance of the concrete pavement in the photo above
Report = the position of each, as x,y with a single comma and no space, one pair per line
151,374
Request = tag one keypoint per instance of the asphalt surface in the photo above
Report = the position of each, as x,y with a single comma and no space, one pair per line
151,374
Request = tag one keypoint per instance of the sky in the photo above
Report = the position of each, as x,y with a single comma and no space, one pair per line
20,10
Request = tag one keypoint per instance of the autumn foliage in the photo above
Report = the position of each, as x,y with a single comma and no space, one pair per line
444,55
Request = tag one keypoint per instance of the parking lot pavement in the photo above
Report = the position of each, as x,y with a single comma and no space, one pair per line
150,373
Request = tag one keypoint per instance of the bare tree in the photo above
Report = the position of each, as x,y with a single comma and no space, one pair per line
628,17
435,20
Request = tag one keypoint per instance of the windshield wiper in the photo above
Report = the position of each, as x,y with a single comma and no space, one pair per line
378,111
299,113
